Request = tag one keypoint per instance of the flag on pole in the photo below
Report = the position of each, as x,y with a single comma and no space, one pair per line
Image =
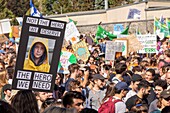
160,28
168,23
34,11
134,14
102,33
75,22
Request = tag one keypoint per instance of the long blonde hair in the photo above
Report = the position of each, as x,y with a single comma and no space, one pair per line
3,78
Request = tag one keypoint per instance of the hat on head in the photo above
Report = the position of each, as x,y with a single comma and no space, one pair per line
136,77
165,93
122,86
98,76
6,87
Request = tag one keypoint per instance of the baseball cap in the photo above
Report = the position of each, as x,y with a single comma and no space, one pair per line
122,86
165,94
7,87
136,77
98,76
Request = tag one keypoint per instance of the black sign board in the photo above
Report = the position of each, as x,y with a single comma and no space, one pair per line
34,69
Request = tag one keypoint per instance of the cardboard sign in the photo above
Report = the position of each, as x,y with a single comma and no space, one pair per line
3,38
112,48
72,33
81,51
133,44
34,69
149,43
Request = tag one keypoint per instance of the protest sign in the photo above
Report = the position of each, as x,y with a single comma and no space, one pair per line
5,26
81,51
124,48
34,70
149,43
72,33
66,58
112,47
133,44
118,28
3,38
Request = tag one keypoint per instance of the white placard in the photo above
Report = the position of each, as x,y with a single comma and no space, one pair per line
5,26
149,43
71,33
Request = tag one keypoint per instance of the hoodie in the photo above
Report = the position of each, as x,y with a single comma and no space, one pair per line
42,65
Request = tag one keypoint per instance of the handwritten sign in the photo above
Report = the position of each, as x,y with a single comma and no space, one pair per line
149,43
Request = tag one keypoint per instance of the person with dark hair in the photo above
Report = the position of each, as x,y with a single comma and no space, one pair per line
96,94
6,107
73,99
166,109
54,109
137,70
74,71
6,92
135,80
25,102
119,68
121,59
143,92
40,97
58,88
120,91
149,76
127,76
163,101
75,86
105,70
89,110
159,86
47,103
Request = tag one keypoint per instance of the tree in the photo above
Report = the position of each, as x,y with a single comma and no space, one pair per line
4,11
18,7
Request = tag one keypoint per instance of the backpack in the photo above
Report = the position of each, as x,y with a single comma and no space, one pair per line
108,106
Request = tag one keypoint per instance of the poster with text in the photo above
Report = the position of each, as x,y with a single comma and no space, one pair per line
111,48
38,54
66,58
149,43
124,44
72,34
81,51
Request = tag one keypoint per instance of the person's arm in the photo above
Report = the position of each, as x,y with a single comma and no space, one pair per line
86,76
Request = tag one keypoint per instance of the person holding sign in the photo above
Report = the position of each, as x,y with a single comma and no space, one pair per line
38,56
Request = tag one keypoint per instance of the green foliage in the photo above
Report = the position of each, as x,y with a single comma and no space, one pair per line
4,11
18,7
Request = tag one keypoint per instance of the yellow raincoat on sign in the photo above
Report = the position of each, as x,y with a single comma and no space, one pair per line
42,65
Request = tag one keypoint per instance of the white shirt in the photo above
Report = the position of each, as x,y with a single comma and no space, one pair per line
120,107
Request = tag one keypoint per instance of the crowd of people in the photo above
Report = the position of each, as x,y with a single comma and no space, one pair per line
138,83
